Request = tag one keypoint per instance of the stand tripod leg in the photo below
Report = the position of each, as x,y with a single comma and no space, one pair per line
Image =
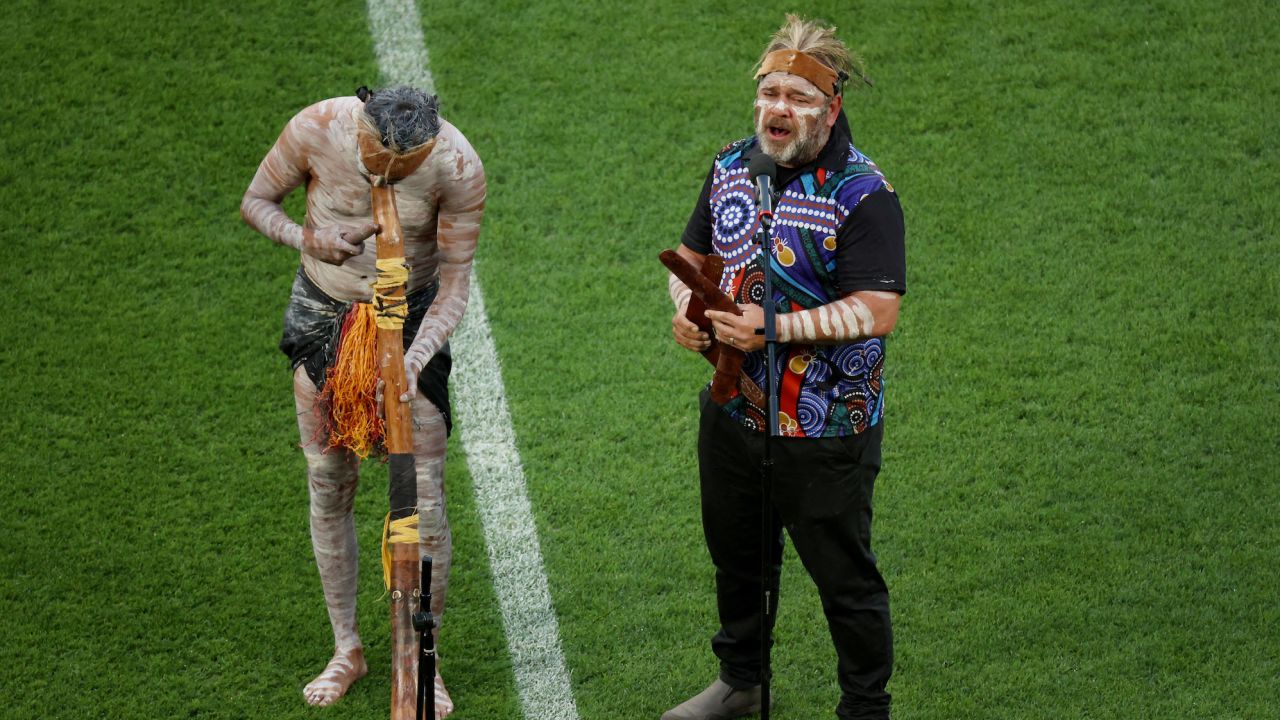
766,577
424,623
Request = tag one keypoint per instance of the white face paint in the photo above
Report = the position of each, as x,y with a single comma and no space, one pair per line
780,106
790,118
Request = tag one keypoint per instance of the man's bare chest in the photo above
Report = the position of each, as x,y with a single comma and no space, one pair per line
348,200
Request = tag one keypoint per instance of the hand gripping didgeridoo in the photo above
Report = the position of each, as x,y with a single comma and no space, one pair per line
705,286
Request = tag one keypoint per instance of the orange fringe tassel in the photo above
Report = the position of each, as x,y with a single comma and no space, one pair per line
350,386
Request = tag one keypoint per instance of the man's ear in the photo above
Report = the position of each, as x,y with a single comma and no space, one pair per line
833,112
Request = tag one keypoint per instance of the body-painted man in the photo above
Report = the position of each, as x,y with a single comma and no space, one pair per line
440,191
838,262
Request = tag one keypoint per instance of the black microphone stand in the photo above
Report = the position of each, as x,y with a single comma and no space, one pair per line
763,170
424,622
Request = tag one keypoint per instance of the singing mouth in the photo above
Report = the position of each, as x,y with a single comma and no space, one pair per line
776,132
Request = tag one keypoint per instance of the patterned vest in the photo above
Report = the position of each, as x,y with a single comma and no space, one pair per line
823,390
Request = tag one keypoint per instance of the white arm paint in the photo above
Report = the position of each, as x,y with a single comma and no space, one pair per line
284,168
462,195
853,317
678,291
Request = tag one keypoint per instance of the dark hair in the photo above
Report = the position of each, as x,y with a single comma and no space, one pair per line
403,116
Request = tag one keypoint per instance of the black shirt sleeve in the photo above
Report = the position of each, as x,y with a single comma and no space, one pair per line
871,249
697,232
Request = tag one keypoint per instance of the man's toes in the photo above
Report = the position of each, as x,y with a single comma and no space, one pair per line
320,695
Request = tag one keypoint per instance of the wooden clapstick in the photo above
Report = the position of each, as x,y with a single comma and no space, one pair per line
696,311
705,286
725,379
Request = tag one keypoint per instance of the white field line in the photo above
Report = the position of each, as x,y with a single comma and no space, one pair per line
533,633
397,38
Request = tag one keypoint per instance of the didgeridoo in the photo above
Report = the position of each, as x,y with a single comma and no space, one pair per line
392,308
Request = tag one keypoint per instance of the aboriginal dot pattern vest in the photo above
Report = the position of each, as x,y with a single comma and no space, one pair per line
823,390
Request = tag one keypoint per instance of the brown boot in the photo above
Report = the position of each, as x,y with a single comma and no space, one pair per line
717,702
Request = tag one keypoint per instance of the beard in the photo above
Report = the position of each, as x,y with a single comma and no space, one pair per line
802,145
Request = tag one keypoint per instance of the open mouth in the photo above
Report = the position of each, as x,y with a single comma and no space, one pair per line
778,133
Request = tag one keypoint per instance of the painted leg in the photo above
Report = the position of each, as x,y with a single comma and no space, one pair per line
344,668
429,440
331,481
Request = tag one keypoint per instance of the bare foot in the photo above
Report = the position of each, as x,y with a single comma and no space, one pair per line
444,703
346,667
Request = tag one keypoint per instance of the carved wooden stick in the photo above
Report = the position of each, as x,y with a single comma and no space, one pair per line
712,269
705,286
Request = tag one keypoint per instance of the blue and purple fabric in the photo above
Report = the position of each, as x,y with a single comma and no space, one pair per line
824,390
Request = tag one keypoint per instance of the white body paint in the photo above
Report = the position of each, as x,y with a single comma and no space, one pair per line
795,105
845,320
678,291
533,638
781,106
332,479
440,207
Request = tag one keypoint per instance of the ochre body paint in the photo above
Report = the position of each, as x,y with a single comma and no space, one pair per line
440,205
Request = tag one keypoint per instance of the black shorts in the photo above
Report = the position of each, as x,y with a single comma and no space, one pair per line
313,320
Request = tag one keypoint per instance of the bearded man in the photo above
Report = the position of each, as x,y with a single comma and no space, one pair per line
338,148
838,262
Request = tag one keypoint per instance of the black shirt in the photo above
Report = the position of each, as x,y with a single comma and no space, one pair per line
870,244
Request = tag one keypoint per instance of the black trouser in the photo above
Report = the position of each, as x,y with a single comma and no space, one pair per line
822,495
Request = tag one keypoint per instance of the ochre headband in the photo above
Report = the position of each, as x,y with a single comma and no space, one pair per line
802,65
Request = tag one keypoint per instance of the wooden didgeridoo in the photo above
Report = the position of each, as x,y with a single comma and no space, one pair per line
390,299
397,415
705,286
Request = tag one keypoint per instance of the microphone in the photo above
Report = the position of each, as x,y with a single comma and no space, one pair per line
763,170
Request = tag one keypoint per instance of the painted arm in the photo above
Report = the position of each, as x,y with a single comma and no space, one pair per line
458,226
685,332
856,316
285,167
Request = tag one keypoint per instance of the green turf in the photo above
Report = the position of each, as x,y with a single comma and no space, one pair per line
1074,515
156,558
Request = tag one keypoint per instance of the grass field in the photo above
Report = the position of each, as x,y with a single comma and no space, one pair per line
1075,512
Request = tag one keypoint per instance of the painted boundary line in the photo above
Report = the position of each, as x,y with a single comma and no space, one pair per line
515,557
533,633
398,42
